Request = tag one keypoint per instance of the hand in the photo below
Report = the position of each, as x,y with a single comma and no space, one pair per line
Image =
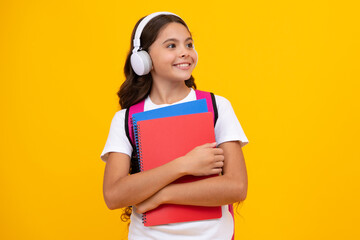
203,160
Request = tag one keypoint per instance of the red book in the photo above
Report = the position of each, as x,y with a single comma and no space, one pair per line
165,139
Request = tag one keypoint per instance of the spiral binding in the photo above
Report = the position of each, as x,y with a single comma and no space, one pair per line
139,154
138,144
144,218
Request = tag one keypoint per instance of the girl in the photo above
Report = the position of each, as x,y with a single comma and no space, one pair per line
167,40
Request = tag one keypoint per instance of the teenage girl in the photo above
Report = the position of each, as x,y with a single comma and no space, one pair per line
169,44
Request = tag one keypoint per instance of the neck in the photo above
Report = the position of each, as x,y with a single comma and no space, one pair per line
168,92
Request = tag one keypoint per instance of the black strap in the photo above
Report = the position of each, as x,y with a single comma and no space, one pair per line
127,124
215,108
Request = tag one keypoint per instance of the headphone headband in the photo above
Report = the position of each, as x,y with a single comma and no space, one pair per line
142,24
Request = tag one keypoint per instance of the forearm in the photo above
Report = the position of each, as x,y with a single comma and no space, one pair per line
135,188
215,191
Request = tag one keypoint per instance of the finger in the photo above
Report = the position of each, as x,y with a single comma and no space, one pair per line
218,158
209,145
216,170
217,151
219,164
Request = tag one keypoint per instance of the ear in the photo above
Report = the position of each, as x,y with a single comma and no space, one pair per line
152,65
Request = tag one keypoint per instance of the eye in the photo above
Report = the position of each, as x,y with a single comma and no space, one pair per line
172,45
190,45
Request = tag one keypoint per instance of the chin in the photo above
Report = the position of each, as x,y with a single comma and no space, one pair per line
185,77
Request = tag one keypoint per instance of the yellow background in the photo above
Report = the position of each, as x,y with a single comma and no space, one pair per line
290,69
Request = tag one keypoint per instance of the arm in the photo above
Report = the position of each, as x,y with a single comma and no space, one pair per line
221,190
121,189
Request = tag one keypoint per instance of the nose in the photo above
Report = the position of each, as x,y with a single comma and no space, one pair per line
184,52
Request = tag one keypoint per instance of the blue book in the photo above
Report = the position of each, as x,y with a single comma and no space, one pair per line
192,107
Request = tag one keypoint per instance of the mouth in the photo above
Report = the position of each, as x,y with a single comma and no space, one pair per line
183,66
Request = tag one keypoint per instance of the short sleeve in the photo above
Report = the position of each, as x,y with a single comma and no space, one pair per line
117,140
228,127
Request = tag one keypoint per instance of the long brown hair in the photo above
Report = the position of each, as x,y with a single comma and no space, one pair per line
135,88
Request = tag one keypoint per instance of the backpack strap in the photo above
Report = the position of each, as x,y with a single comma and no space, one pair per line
136,108
211,102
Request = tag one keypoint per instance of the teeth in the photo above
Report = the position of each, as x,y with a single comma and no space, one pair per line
183,65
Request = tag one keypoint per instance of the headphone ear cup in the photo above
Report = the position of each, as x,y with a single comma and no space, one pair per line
141,63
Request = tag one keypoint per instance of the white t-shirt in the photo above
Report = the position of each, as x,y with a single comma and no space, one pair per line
227,129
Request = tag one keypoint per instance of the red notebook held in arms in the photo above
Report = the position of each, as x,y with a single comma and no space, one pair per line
165,139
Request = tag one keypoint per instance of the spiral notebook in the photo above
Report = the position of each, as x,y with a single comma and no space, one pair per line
165,139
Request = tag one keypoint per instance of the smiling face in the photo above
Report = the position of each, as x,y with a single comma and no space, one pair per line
172,54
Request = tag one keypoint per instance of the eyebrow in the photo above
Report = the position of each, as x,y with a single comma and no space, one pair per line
175,40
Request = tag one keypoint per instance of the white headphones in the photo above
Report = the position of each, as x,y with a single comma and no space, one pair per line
140,60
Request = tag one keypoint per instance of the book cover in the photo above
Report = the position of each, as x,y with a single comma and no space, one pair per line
162,140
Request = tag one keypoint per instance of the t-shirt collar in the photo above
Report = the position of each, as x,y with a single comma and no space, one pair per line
149,105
